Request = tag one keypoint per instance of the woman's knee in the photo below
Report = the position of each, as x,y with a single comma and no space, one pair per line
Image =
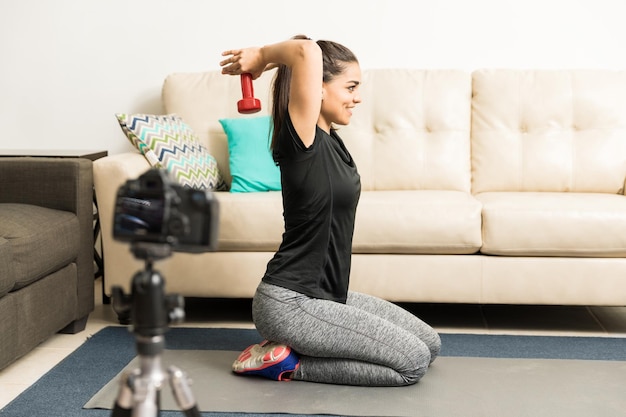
434,345
415,371
417,361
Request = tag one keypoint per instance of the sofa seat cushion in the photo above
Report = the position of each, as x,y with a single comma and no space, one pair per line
250,221
417,222
554,224
39,241
403,222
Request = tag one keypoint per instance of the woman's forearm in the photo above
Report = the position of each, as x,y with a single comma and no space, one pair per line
291,52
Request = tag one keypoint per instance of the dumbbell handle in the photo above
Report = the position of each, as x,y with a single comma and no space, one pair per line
247,89
248,104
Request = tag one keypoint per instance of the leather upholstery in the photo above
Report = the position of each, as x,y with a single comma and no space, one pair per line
497,186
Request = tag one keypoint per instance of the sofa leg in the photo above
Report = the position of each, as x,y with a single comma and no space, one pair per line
76,326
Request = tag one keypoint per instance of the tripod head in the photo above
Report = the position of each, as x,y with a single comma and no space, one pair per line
150,311
151,252
147,307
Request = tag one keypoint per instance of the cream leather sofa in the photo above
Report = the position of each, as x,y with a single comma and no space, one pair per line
496,186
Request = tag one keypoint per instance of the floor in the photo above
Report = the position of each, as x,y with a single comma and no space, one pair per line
447,318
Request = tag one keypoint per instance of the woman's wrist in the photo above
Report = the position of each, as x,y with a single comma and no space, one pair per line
263,57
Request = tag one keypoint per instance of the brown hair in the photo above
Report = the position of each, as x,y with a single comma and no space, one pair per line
335,57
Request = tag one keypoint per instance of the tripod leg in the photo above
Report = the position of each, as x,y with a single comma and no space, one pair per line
182,392
124,401
146,399
139,396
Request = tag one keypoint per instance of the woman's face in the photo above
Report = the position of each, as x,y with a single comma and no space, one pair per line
340,96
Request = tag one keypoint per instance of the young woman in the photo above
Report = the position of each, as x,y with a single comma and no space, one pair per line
316,329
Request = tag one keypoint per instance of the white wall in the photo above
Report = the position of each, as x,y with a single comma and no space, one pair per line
66,66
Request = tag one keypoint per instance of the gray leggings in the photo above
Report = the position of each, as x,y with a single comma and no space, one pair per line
367,341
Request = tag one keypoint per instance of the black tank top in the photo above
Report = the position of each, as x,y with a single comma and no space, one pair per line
321,189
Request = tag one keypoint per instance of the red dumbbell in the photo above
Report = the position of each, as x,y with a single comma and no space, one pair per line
248,104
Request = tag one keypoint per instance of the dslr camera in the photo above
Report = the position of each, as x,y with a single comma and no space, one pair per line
153,209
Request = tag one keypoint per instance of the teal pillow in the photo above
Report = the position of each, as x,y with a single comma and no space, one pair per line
250,159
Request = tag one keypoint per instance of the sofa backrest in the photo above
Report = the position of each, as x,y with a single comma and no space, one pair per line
411,131
202,98
549,130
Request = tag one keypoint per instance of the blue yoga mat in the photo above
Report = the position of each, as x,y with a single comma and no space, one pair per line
66,388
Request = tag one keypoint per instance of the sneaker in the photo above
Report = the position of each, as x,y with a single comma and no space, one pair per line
268,359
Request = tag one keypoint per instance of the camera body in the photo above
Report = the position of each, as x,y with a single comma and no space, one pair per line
153,209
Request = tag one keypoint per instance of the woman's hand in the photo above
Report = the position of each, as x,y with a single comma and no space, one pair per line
247,60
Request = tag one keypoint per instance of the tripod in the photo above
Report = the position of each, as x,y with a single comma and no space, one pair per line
151,310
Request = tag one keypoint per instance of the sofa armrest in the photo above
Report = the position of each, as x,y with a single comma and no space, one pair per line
57,183
61,184
109,174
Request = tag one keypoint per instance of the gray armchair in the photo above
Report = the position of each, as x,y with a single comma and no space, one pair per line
46,251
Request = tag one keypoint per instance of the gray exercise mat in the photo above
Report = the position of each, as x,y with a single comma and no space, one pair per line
466,387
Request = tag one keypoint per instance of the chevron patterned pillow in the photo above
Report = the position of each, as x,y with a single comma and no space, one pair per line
168,142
